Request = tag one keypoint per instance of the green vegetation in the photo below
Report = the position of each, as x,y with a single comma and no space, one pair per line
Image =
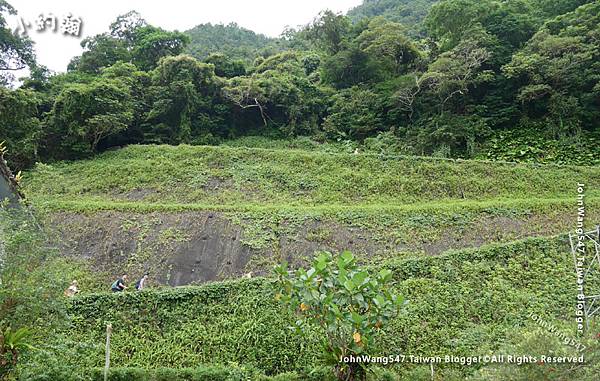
233,41
409,13
413,205
213,373
32,278
346,304
12,344
454,78
441,141
187,174
486,292
531,146
534,340
16,52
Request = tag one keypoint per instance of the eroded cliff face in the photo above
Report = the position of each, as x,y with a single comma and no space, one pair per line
5,191
181,248
191,247
8,191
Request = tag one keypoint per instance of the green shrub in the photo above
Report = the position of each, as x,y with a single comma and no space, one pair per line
534,144
347,303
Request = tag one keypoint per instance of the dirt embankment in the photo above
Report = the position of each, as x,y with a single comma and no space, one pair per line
196,247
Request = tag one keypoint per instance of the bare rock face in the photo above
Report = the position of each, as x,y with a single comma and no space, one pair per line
177,249
8,191
190,247
213,251
5,191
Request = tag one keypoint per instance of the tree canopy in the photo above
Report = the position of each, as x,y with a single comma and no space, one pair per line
16,52
447,78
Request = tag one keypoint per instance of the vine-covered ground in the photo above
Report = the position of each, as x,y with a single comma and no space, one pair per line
461,303
192,214
476,247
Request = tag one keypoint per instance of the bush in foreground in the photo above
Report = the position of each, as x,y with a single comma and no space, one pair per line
348,304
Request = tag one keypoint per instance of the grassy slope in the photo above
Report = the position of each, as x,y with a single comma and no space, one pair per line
223,177
407,201
461,303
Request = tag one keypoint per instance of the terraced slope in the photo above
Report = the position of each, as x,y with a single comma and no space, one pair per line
197,214
461,303
193,214
237,177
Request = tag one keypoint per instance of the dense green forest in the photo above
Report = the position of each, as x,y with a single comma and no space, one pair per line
235,42
510,80
409,13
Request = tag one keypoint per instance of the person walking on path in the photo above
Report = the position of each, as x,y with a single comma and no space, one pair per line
119,284
141,284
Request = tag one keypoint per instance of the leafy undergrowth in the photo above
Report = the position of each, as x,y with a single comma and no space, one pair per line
462,303
226,176
535,146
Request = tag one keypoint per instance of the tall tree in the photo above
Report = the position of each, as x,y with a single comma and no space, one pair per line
16,52
387,42
84,114
281,93
150,44
183,94
328,31
125,26
19,126
100,51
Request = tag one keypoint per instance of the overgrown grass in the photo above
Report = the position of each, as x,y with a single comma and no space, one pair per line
95,204
461,303
218,176
304,143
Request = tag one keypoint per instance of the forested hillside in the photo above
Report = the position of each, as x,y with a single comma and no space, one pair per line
231,40
504,80
409,13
